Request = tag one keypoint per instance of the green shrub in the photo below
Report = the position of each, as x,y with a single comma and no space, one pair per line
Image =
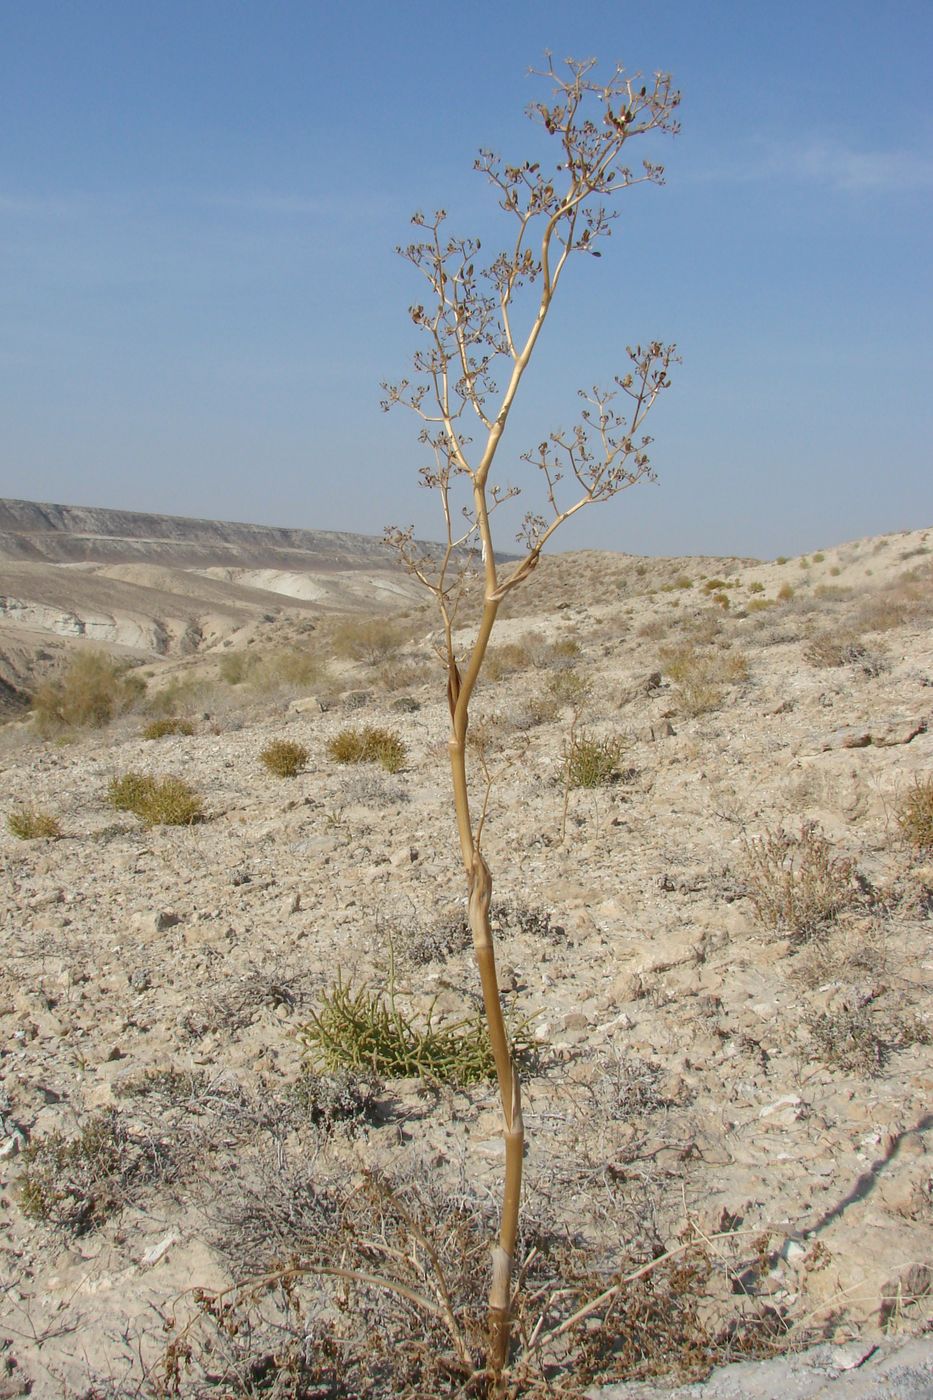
369,745
818,558
162,728
915,815
363,1030
781,559
32,824
284,758
593,762
156,801
92,691
756,587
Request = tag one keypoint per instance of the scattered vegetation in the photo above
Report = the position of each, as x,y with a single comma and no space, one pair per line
92,691
166,801
76,1183
163,728
699,677
284,668
593,762
340,1099
915,815
369,745
834,649
365,1030
372,640
798,884
530,652
848,1038
284,758
33,824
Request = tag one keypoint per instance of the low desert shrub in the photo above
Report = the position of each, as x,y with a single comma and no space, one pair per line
76,1183
32,824
92,691
834,649
369,639
293,668
699,676
756,587
284,758
849,1039
338,1099
785,592
915,815
364,1030
798,884
368,745
593,762
530,652
162,728
156,801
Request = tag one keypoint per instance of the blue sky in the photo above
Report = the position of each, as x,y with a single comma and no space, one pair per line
199,202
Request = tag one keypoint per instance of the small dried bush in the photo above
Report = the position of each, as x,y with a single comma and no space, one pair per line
339,1099
369,639
369,745
756,586
834,649
849,1039
92,691
32,824
915,815
76,1183
785,592
592,762
284,668
368,788
284,758
364,1030
697,677
156,801
569,688
797,883
162,728
626,1087
530,652
415,943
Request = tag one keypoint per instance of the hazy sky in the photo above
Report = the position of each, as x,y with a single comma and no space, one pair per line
199,202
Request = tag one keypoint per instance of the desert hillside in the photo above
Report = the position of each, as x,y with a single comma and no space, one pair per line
159,585
710,832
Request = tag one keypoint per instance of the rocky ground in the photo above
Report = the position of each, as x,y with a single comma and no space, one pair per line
730,1062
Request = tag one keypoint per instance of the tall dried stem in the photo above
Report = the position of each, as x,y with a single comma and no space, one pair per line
470,324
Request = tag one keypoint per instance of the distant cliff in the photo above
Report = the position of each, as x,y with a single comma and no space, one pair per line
33,531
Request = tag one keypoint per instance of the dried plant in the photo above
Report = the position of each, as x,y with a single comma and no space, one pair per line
33,824
284,758
798,883
471,323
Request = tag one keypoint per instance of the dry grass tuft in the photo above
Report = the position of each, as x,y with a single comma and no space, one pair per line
156,801
33,824
163,728
284,758
369,745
